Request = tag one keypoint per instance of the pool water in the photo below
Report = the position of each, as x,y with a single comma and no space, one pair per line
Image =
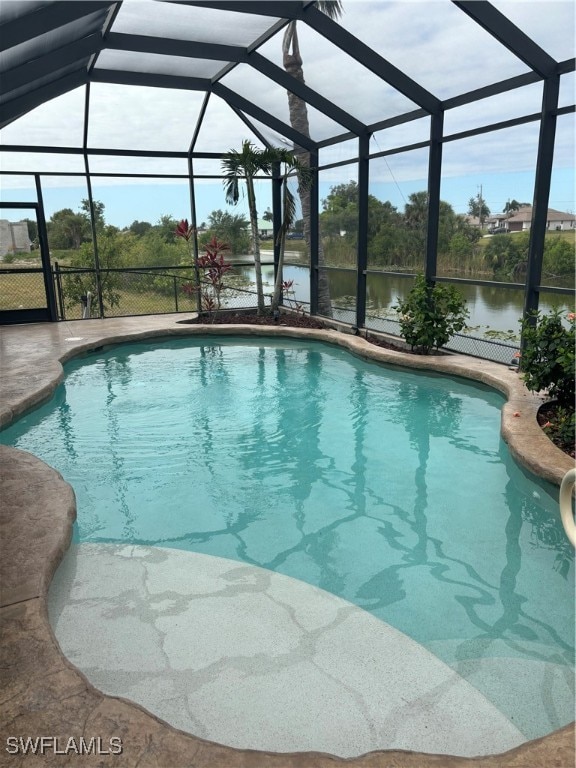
388,488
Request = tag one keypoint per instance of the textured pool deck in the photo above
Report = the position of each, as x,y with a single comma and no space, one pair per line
44,694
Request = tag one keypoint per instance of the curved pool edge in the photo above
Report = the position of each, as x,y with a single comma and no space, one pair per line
33,356
44,694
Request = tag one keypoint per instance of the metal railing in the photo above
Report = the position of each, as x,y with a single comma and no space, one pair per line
162,290
566,512
142,291
475,346
22,288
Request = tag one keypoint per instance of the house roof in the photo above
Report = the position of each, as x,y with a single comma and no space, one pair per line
525,214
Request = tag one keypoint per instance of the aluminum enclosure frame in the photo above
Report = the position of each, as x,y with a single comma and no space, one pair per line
73,65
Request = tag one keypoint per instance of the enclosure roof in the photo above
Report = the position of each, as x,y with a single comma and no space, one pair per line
380,64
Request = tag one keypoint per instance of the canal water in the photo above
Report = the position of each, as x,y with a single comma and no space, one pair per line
492,308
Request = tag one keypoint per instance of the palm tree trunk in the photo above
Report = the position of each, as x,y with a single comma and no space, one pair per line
279,276
255,244
299,121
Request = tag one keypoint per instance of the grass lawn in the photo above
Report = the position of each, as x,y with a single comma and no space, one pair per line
141,303
22,291
568,235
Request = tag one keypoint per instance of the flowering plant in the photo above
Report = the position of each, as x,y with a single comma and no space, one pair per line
560,429
547,360
431,314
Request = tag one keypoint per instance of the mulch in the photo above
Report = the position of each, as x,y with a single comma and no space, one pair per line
547,413
288,321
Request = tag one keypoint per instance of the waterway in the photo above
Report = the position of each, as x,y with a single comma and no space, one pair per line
492,308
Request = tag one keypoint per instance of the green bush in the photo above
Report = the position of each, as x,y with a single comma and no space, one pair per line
558,257
430,315
562,428
547,360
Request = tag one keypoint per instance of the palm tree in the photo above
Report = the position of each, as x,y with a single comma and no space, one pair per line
511,206
246,164
292,165
292,60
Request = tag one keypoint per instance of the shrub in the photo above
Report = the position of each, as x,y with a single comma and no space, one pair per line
558,257
548,355
561,428
430,315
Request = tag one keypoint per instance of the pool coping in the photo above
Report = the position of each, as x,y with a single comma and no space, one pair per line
44,694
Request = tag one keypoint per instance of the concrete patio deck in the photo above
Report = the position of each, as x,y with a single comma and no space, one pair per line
43,693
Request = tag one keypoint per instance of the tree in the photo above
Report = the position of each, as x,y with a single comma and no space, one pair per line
289,166
558,257
246,164
478,208
511,206
230,228
166,227
68,230
98,208
268,215
508,254
32,231
111,252
292,61
384,232
415,228
340,212
140,228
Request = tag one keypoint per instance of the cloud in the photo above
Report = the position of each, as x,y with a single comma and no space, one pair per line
432,42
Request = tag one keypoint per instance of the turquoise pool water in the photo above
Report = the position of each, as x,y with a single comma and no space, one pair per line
388,488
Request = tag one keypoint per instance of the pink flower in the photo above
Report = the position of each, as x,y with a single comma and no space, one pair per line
572,316
517,354
548,424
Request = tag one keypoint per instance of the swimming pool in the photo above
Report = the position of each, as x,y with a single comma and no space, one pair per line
389,489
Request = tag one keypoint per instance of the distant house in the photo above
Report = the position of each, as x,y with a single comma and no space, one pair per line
521,220
14,237
496,221
265,229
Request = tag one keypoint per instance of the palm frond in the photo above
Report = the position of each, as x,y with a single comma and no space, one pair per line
332,8
231,189
288,209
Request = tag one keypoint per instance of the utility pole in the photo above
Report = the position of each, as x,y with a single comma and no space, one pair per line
480,208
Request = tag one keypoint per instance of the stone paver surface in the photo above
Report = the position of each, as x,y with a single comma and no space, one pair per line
43,694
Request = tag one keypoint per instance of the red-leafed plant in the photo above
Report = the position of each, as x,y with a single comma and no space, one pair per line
214,267
208,288
188,233
189,288
208,303
184,230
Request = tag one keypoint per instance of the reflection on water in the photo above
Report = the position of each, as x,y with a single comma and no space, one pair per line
390,489
490,307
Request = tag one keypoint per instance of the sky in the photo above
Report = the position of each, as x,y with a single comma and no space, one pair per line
125,204
433,42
